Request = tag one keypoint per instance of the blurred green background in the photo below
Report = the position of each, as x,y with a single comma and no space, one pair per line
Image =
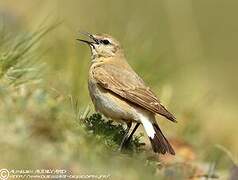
185,50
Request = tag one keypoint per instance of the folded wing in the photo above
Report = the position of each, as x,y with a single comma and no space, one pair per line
130,87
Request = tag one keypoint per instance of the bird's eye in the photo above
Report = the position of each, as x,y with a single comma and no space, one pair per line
105,41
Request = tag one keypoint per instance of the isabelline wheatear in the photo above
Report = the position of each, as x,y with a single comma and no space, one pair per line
119,93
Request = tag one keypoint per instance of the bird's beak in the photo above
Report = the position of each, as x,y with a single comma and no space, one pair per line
94,40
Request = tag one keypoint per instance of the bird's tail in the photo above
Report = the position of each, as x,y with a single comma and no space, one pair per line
158,141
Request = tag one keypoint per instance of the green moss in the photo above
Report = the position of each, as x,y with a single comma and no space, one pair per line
110,133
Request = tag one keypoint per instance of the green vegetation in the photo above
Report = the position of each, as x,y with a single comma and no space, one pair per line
48,122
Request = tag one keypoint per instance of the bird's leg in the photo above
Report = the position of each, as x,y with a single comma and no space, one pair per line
124,139
132,132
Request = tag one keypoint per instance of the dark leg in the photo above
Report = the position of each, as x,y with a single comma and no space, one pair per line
124,139
130,136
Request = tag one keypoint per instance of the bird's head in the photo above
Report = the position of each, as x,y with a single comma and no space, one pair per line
102,45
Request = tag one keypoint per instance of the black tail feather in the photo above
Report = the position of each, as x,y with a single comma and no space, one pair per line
159,143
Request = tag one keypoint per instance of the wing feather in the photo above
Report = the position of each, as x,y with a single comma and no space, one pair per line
130,87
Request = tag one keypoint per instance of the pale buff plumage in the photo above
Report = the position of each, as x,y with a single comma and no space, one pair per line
119,93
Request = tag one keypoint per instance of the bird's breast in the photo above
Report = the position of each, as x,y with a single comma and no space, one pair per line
110,104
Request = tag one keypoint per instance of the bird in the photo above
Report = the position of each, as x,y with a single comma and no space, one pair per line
119,93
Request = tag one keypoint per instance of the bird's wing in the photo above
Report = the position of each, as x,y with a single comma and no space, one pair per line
128,85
